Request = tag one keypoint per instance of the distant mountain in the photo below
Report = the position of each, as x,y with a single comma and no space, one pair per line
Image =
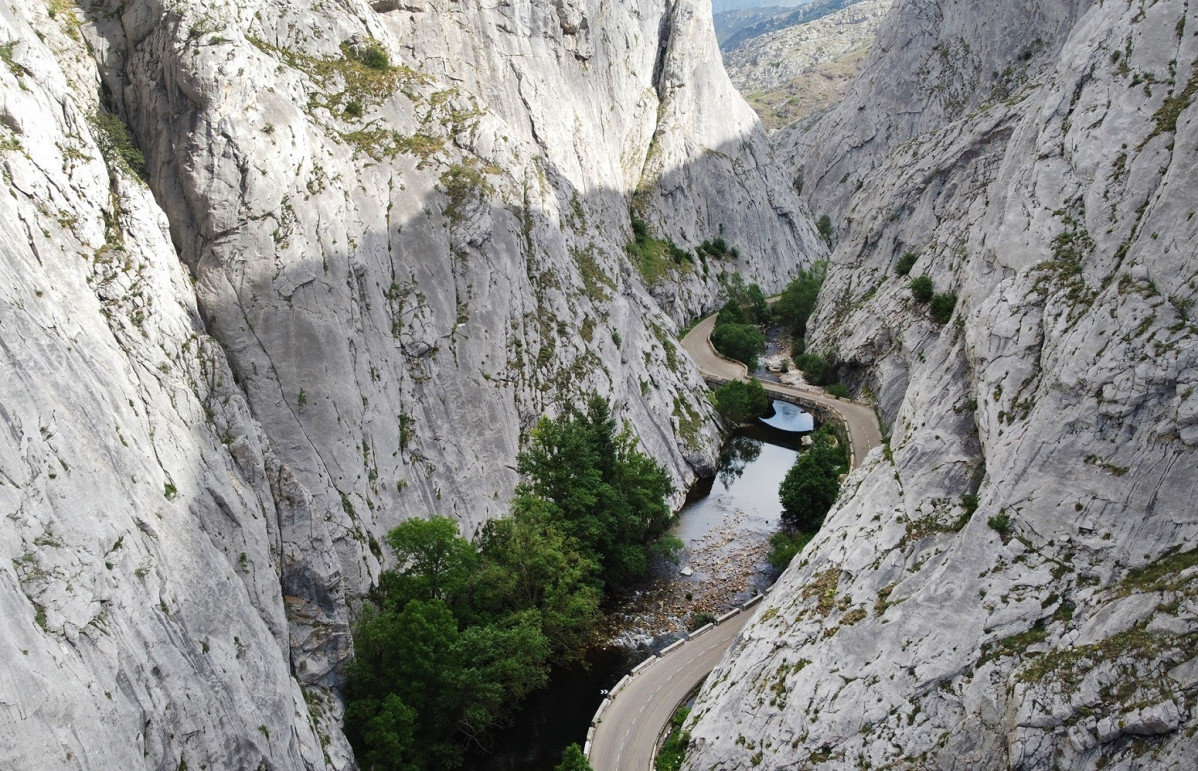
789,74
723,6
750,20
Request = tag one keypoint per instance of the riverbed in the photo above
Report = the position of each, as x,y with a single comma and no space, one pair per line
725,528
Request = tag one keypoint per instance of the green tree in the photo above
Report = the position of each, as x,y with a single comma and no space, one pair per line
491,668
573,760
457,635
742,342
602,492
529,564
399,671
740,402
812,484
385,732
922,289
436,562
817,369
797,302
419,688
746,302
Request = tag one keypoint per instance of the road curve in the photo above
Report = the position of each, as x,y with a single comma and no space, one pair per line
859,419
626,735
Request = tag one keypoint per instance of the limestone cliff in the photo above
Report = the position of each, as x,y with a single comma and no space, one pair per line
1011,582
280,275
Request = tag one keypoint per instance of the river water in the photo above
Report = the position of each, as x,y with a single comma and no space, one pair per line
725,529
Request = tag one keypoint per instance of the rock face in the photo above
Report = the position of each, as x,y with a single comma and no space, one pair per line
1011,582
373,245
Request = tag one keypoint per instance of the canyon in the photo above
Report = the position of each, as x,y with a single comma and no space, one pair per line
277,277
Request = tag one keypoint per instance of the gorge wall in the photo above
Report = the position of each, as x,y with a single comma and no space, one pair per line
333,294
1010,581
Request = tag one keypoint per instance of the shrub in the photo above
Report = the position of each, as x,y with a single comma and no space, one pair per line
353,109
739,402
784,546
906,263
116,143
701,619
573,759
743,342
673,749
922,289
824,226
812,484
817,369
1000,523
839,390
374,56
942,307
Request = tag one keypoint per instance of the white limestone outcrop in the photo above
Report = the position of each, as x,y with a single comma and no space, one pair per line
1010,583
341,297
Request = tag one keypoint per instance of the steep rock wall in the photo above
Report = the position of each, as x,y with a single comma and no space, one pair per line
339,300
1011,581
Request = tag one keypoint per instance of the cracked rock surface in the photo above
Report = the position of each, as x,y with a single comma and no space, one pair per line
278,276
1011,582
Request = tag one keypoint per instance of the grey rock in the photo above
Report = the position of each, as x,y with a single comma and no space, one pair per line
341,300
1036,178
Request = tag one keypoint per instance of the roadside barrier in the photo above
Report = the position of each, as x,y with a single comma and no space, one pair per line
642,667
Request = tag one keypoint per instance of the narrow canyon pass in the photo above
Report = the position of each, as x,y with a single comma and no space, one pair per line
277,277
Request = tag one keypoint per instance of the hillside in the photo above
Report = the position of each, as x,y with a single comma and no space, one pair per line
793,73
1010,582
279,276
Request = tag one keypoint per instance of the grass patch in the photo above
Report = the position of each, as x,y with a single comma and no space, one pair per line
598,284
465,184
116,144
673,750
1162,574
653,257
1167,114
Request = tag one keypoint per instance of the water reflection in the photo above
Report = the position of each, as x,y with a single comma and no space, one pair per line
788,417
737,453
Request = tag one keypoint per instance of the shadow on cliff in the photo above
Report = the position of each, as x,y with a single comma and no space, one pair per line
397,331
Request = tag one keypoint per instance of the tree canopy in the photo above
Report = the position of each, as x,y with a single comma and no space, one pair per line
740,402
812,484
458,633
591,481
797,301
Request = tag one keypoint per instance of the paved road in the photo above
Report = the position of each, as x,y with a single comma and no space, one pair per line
859,419
627,734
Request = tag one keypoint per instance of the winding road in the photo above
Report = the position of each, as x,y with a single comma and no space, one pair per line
629,725
859,419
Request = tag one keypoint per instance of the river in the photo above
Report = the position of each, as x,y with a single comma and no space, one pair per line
725,528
